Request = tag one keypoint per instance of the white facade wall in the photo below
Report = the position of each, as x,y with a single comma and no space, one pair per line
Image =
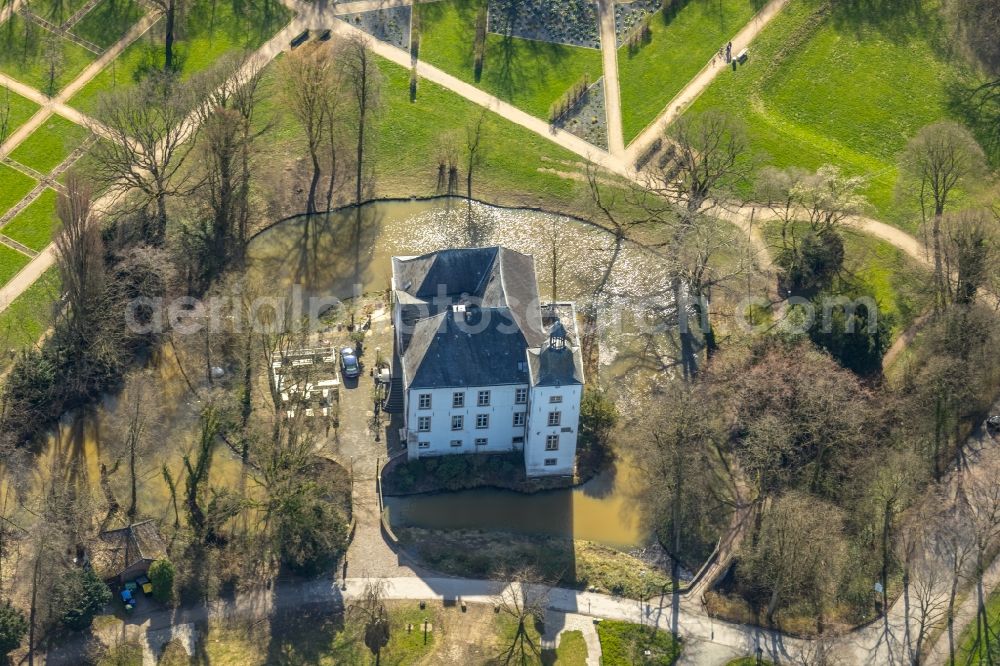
563,459
499,434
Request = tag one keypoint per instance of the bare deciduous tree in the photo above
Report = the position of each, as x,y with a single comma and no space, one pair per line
374,619
312,79
970,254
364,83
148,144
80,257
522,601
474,149
798,553
710,149
940,158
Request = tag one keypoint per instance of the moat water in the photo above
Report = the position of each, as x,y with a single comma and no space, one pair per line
350,253
346,253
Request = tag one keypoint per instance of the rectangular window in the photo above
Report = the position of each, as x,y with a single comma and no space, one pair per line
481,441
552,442
555,418
555,398
457,422
456,443
424,423
518,419
482,421
551,462
423,445
458,400
518,440
521,396
424,401
484,399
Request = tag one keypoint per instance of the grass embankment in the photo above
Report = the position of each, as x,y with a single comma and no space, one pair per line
56,11
108,21
520,167
212,29
14,185
19,108
571,651
11,261
34,56
49,145
323,637
565,562
970,649
830,84
24,321
529,74
896,280
624,644
35,225
681,43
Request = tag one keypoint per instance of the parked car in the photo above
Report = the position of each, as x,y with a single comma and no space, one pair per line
993,424
349,365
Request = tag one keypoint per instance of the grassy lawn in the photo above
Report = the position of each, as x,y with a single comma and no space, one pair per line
106,23
35,225
529,74
322,639
20,109
969,649
11,261
208,36
884,72
749,661
30,314
409,139
625,644
49,145
56,11
679,47
27,51
572,651
14,185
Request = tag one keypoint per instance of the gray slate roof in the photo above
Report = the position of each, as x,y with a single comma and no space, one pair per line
488,345
449,350
557,367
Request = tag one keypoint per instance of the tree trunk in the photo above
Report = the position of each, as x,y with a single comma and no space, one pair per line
314,183
939,287
33,612
886,530
953,594
361,149
132,508
168,46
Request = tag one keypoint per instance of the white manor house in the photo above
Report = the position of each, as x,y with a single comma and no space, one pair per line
486,367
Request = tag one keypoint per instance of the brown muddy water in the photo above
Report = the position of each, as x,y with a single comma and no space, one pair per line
347,253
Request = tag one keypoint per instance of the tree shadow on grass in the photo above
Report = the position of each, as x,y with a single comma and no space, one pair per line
977,105
311,634
898,20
